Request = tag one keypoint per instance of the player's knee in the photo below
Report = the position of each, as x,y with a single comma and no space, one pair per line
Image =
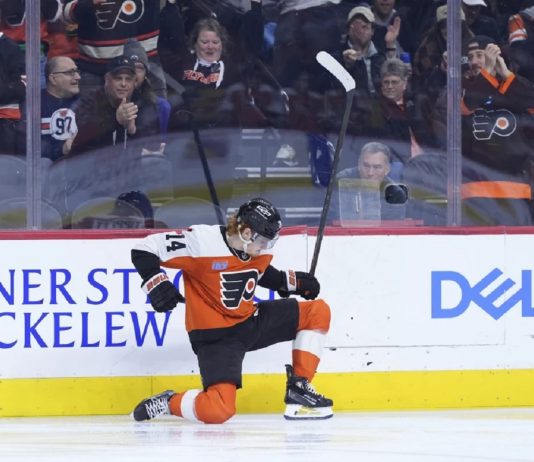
217,405
315,315
323,315
218,414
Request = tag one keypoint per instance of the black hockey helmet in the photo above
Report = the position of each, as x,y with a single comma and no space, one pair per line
261,216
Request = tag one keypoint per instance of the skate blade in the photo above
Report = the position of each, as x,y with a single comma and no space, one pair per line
299,412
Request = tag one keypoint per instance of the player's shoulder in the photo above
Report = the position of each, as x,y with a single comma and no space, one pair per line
206,240
203,231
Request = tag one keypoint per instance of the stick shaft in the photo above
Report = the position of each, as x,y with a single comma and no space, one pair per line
330,187
207,175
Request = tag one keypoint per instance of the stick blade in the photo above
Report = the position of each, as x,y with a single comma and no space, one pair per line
335,68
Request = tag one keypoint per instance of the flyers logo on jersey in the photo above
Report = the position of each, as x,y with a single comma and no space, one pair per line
237,286
500,122
126,11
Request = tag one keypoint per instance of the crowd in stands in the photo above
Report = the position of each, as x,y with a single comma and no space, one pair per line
154,96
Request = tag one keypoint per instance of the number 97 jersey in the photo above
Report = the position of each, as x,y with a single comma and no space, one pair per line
219,282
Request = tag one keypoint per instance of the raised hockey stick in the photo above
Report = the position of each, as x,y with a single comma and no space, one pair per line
340,73
205,165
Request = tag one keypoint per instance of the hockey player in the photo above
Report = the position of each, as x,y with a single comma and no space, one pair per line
222,265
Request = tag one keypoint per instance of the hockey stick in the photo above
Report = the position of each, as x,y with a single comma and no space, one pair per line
340,73
205,166
207,174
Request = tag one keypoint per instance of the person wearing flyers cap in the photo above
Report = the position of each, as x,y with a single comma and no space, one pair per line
478,22
497,139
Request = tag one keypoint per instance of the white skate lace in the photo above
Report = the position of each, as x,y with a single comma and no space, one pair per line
310,389
156,407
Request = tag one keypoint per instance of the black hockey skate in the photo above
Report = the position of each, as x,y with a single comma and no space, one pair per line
153,407
302,401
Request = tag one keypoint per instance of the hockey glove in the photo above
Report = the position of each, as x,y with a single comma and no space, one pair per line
299,283
164,296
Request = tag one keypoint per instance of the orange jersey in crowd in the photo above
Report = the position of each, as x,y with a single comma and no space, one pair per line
219,284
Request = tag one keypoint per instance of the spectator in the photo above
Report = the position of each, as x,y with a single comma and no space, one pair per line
303,29
213,79
502,10
363,59
13,25
108,117
429,54
208,73
385,17
479,23
397,116
101,23
58,120
374,165
434,97
140,201
361,56
496,139
231,14
12,94
521,41
143,89
422,16
106,153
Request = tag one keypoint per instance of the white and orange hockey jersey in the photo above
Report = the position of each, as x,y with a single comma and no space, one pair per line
219,283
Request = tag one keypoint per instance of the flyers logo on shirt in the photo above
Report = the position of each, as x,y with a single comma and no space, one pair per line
237,286
126,11
500,122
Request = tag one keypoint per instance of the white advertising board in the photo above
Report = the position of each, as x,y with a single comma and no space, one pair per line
73,308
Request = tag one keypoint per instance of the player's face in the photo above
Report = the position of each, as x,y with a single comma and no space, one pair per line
257,243
255,248
208,46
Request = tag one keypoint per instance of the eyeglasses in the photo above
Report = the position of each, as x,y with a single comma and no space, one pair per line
391,83
69,73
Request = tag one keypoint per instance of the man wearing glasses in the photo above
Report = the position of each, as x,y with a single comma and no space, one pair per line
58,120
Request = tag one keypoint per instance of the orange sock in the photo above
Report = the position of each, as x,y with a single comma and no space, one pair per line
314,322
175,404
305,364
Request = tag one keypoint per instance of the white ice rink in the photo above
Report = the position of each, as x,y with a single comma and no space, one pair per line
423,436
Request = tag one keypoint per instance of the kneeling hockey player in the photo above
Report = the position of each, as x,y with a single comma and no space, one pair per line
221,266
